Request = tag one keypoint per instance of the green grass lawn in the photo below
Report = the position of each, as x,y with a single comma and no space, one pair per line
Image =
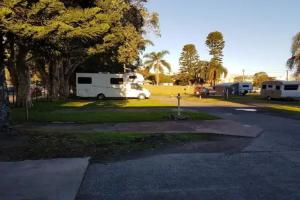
99,146
292,106
101,112
170,90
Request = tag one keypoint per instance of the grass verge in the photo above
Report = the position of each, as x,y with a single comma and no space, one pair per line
104,116
99,146
100,112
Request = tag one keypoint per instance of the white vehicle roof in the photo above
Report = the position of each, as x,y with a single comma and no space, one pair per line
283,82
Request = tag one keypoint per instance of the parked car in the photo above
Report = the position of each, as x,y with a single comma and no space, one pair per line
200,90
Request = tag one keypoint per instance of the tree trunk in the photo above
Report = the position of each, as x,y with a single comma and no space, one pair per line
41,66
12,60
23,71
4,122
54,67
157,76
64,88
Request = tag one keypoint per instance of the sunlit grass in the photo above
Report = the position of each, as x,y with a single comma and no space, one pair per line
285,108
101,112
130,103
76,104
146,103
170,90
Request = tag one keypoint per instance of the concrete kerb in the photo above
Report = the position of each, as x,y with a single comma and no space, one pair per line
55,179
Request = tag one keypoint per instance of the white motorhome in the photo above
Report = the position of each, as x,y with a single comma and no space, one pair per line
236,88
245,87
106,85
280,89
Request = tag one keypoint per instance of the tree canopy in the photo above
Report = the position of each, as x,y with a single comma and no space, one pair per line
189,62
59,37
260,77
156,61
294,62
215,42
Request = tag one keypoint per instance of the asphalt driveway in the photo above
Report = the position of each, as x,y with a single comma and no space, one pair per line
268,168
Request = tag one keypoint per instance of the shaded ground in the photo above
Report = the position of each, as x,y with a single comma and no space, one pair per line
57,179
265,168
103,146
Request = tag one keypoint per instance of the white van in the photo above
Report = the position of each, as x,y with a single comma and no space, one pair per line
280,89
105,85
245,87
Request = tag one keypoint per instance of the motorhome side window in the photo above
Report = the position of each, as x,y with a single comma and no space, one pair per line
132,77
278,87
246,86
270,86
84,80
264,87
116,81
291,87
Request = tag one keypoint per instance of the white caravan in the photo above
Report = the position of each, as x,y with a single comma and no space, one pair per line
280,89
106,85
245,87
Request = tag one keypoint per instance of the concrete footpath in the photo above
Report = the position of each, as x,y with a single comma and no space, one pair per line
57,179
222,127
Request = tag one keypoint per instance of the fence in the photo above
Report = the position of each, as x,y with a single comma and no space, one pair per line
37,93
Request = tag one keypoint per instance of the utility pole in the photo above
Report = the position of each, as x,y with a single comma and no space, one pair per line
243,75
287,75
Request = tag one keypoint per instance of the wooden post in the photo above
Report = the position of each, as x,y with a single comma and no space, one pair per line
178,105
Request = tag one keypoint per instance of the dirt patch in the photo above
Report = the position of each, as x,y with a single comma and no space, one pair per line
216,144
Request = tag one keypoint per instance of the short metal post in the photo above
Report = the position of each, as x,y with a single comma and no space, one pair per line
178,104
27,112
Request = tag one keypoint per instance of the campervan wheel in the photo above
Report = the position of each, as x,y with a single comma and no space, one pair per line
142,97
101,97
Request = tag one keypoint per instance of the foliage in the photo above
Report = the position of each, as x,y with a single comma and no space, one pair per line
190,64
216,71
261,77
294,61
238,79
156,61
162,78
242,78
215,42
55,37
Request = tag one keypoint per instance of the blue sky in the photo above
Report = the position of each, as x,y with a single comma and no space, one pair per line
258,33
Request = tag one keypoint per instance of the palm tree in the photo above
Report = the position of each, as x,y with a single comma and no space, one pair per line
216,71
156,62
294,61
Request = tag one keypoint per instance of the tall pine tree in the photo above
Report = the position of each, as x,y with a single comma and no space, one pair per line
190,65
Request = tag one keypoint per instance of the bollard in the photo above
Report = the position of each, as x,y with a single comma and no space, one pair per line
178,104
